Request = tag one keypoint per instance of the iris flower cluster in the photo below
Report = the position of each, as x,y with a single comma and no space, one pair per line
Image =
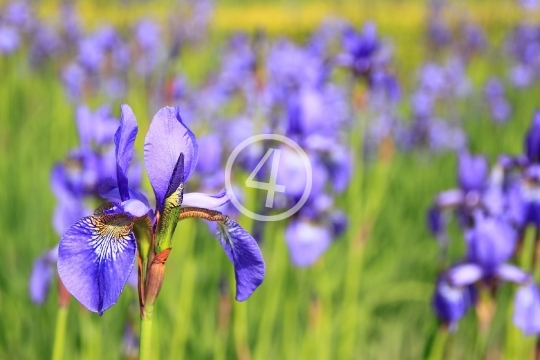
494,210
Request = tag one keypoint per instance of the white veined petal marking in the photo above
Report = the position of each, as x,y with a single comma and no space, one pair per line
110,235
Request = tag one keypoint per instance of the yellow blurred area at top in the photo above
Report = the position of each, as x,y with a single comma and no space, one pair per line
291,16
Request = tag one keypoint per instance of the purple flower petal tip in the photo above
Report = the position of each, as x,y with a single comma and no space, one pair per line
166,139
244,253
95,258
124,140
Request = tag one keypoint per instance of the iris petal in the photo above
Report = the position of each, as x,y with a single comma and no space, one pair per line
465,274
244,253
509,272
206,201
124,140
167,138
95,258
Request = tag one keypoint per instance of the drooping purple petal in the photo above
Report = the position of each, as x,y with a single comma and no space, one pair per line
451,303
167,138
206,201
95,258
42,275
244,253
527,309
436,221
124,139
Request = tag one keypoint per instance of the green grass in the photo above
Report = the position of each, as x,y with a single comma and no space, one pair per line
368,297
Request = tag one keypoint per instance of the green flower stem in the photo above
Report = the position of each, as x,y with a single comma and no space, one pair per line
145,349
60,333
186,295
438,346
354,262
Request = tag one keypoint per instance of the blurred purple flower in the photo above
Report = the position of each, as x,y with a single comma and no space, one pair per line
73,77
472,172
9,39
43,272
527,309
306,241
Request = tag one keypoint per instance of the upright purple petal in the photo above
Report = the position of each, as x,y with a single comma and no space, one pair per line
167,138
244,253
124,139
95,258
472,171
490,243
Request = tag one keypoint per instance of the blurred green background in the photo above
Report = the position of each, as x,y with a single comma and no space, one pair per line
368,297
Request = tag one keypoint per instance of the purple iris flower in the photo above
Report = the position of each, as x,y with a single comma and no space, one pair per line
45,44
91,53
529,4
73,77
521,75
96,254
9,39
306,241
18,13
361,48
491,243
147,34
473,38
498,104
